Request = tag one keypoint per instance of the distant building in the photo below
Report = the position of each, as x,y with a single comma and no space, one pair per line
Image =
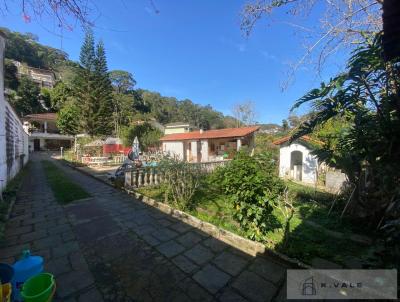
44,78
296,161
206,146
13,139
177,128
44,134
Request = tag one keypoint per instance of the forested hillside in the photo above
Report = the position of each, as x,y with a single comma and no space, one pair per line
111,109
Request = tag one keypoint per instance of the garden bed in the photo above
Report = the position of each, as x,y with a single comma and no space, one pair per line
306,241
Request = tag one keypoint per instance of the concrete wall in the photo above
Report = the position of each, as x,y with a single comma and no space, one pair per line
335,180
174,148
309,163
13,139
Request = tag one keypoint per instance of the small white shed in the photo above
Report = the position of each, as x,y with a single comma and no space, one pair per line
296,161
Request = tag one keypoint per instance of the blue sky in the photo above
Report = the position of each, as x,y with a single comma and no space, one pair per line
192,49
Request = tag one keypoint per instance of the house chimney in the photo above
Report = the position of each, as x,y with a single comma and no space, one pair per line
201,130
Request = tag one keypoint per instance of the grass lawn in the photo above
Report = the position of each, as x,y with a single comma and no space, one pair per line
63,188
305,242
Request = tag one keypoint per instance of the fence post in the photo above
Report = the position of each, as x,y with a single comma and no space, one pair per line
128,178
140,172
146,174
151,174
156,177
134,176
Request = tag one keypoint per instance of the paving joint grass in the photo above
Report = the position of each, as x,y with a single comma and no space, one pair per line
64,189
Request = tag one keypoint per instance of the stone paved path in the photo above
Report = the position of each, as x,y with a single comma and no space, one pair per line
111,247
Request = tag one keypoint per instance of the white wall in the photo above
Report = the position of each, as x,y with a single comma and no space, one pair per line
3,157
204,150
13,139
310,162
193,148
174,148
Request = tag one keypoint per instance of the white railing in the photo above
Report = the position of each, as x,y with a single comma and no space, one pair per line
153,176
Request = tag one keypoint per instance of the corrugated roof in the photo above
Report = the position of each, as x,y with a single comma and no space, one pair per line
220,133
304,138
41,116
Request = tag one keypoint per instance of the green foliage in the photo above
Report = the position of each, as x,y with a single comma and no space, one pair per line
263,142
148,136
92,87
252,185
10,75
67,121
87,56
122,81
24,48
167,110
366,95
45,98
181,181
59,95
285,125
26,101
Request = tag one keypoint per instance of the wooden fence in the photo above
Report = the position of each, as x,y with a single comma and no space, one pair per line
152,176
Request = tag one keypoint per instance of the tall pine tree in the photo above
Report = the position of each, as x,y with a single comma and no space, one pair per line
93,89
103,92
87,56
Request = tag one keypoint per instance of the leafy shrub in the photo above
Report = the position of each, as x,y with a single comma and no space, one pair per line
181,181
252,185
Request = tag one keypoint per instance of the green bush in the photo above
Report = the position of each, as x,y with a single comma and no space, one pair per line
181,182
252,185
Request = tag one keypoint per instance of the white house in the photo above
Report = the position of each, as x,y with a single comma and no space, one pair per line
177,128
296,161
211,145
13,140
44,134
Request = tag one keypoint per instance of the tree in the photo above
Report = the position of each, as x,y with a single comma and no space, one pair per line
342,24
122,81
26,101
285,125
45,98
10,75
92,88
22,48
67,121
148,136
244,113
367,96
87,55
103,93
59,95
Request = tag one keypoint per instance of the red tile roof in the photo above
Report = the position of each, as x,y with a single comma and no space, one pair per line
304,138
219,133
41,117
